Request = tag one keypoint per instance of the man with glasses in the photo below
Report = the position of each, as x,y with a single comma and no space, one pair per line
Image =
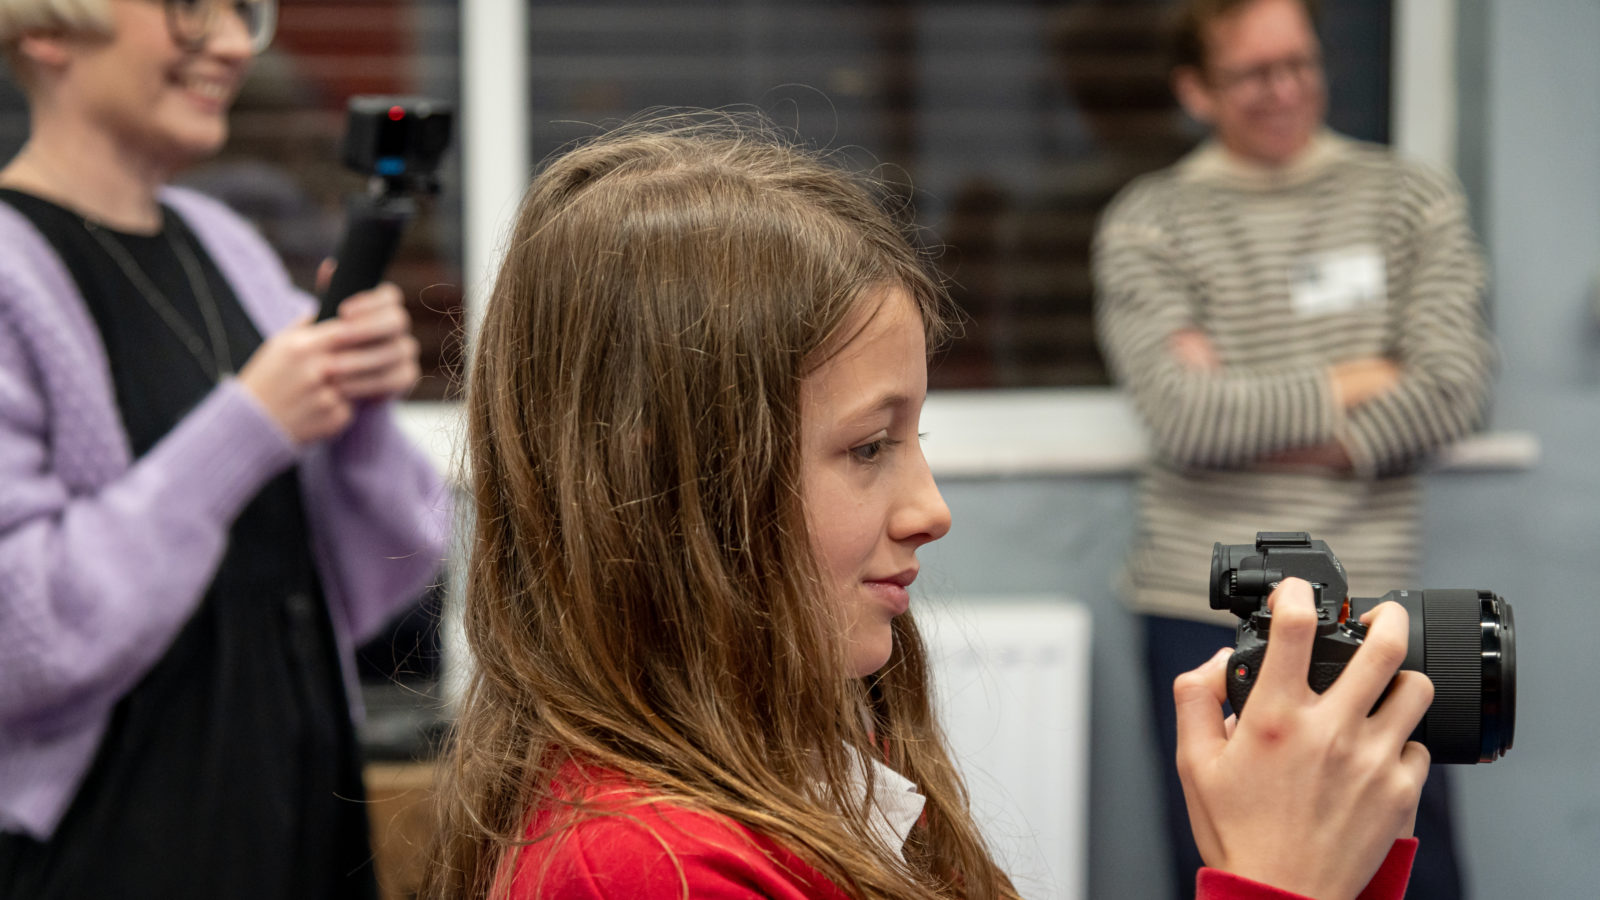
204,500
1298,319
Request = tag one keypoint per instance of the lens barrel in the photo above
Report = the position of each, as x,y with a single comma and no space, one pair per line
1465,642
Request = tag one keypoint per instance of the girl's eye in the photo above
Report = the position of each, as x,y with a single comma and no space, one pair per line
871,450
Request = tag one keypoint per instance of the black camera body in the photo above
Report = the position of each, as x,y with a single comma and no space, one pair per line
1463,640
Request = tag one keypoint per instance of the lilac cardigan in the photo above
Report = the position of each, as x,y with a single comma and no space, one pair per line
103,560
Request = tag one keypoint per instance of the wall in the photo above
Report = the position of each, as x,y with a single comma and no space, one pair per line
1531,126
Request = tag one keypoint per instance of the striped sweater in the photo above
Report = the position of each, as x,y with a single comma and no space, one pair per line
1237,253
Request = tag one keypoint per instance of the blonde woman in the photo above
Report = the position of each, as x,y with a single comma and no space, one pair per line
203,502
700,493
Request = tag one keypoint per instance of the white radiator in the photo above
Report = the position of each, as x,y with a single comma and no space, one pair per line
1012,687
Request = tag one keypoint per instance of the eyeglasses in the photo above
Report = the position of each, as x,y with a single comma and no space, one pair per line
1257,81
192,22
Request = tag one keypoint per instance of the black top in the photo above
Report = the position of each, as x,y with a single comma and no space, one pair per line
232,768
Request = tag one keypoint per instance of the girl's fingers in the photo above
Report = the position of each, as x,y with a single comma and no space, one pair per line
1199,695
1374,665
1414,760
1288,658
1409,698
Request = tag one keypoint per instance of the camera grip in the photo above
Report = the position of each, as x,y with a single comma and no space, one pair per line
1245,665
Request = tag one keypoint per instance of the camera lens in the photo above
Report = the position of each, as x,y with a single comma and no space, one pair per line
1500,641
1465,642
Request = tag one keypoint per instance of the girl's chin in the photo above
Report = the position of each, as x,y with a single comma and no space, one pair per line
869,659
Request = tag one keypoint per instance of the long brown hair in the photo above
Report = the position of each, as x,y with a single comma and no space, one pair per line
641,594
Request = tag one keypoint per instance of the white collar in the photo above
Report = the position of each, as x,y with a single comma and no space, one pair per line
896,804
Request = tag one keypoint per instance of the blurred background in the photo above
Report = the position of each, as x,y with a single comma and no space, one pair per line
1008,125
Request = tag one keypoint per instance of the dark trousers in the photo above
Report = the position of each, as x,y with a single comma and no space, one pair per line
1174,646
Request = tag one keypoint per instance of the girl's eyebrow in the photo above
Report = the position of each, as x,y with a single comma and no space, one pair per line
886,402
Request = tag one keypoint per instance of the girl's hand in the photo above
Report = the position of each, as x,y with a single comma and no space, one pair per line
1308,792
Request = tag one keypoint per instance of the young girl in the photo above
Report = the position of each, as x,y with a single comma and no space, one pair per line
700,493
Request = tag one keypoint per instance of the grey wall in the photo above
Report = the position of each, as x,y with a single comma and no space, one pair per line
1067,536
1531,822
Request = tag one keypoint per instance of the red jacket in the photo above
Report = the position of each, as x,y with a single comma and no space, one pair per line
658,851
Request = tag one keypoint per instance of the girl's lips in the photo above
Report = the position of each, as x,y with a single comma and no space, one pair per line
903,578
895,598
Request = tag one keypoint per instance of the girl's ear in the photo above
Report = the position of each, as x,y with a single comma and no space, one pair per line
1189,85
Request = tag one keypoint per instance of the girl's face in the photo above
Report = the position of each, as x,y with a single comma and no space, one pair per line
869,497
164,103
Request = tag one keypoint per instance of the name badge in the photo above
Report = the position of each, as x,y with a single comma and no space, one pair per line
1343,280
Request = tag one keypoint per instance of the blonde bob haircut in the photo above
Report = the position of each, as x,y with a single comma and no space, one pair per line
20,18
642,591
23,17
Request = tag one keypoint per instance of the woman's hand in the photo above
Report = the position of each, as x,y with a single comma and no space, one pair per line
377,356
290,374
1308,792
309,376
